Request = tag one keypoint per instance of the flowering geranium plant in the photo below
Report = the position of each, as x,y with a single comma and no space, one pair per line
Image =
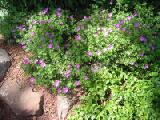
113,56
123,53
55,61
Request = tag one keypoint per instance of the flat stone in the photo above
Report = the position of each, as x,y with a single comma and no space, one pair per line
30,103
63,106
22,101
4,63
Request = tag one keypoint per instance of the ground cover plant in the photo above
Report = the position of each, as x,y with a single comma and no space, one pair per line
125,46
113,55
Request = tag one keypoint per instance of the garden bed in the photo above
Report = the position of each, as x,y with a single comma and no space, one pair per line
111,56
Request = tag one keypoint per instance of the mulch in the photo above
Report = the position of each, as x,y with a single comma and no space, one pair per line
16,73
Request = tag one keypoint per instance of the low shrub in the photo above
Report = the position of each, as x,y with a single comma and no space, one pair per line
113,56
125,56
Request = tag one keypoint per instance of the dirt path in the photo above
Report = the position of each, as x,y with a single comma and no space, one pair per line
16,74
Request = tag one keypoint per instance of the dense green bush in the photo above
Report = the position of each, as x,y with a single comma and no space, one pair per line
8,21
113,56
54,43
126,86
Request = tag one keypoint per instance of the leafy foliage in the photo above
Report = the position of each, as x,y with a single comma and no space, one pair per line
125,87
112,55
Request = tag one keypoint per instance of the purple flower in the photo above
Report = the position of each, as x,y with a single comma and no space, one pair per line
110,46
121,22
110,14
117,25
77,66
143,38
26,61
42,63
78,37
59,90
65,89
69,66
51,27
136,25
42,21
57,46
59,9
56,83
34,22
98,53
86,77
89,17
49,21
50,36
153,47
59,12
71,17
111,2
146,66
77,83
50,41
30,27
135,13
129,18
50,46
46,34
61,23
45,11
110,30
36,61
21,27
29,40
78,28
124,29
105,34
67,73
23,46
85,17
141,54
89,53
32,33
32,80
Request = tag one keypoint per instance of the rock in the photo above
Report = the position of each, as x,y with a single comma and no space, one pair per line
6,112
30,103
22,101
63,106
4,63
